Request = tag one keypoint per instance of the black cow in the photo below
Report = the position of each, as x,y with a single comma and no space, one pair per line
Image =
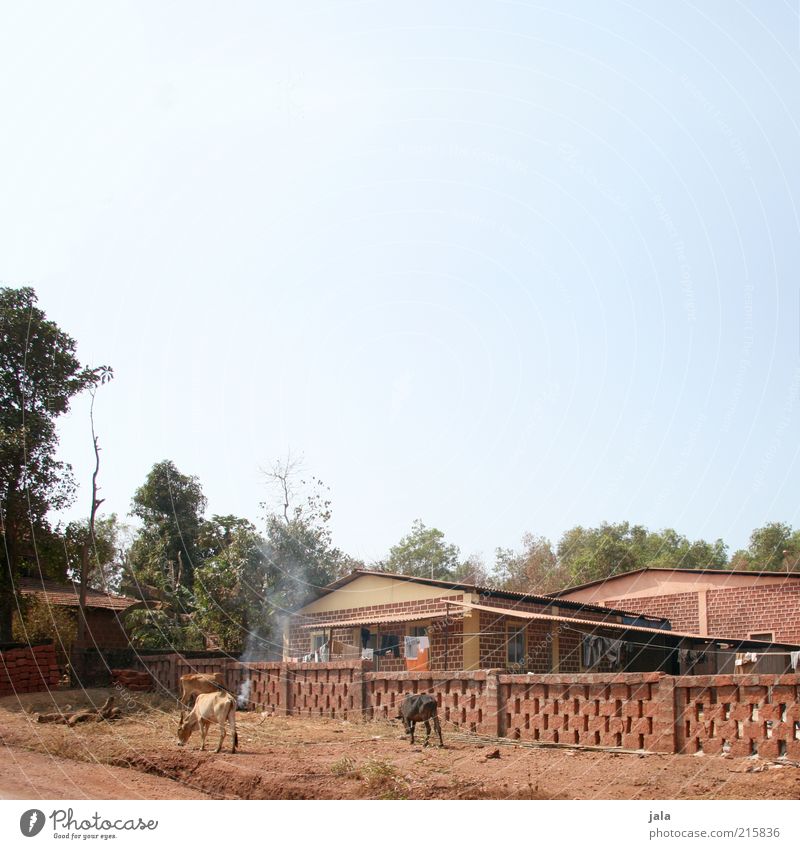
420,708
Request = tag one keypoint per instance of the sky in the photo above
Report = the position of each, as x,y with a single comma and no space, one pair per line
506,267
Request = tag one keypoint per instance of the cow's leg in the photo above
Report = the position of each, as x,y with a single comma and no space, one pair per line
203,732
438,728
412,725
427,732
221,735
232,717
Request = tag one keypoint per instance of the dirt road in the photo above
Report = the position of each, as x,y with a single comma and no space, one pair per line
31,775
300,758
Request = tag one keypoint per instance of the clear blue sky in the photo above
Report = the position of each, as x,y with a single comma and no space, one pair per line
505,267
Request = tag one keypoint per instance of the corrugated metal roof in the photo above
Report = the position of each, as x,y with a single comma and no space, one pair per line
381,620
749,573
479,590
519,614
68,595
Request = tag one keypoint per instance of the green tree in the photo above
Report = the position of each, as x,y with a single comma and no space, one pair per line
170,506
299,545
423,552
39,376
162,559
534,569
588,554
231,586
107,554
774,547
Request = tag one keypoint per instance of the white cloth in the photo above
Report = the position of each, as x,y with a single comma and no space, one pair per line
424,643
795,659
411,648
324,653
367,654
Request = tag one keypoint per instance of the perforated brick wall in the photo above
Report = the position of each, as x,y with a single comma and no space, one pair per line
628,710
740,715
743,715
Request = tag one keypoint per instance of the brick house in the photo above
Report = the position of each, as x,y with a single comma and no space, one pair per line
755,605
470,627
104,611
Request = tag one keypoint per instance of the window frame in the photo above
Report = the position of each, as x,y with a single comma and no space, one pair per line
759,635
517,627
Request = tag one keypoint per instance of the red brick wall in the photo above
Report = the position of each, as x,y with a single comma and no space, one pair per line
731,611
742,715
28,669
738,611
300,638
681,609
105,630
628,710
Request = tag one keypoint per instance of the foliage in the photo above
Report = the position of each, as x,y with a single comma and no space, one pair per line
39,376
231,585
170,506
38,620
534,569
106,568
588,554
423,552
774,547
162,558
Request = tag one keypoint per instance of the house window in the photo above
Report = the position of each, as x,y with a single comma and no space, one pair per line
766,636
390,645
515,645
365,639
419,631
317,640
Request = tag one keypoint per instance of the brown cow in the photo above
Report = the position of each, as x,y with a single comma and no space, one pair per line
209,707
200,682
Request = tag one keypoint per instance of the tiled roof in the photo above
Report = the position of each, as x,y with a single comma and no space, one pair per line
69,594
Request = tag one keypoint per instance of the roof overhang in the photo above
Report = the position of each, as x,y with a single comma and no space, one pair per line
591,625
367,619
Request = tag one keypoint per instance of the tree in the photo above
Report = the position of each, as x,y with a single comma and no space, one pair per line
472,570
588,554
170,506
423,552
105,572
39,376
535,569
300,555
163,557
231,586
774,547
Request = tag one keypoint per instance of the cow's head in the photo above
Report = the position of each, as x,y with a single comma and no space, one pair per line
184,730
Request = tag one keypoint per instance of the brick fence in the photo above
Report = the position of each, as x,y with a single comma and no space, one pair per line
740,715
28,669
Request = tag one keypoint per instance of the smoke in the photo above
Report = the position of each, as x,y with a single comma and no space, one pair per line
289,578
244,694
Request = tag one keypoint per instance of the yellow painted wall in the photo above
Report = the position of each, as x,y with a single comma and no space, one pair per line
472,645
369,590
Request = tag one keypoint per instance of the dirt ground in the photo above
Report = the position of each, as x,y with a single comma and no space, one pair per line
292,758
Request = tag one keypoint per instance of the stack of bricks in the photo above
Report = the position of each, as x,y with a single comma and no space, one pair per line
28,669
132,679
